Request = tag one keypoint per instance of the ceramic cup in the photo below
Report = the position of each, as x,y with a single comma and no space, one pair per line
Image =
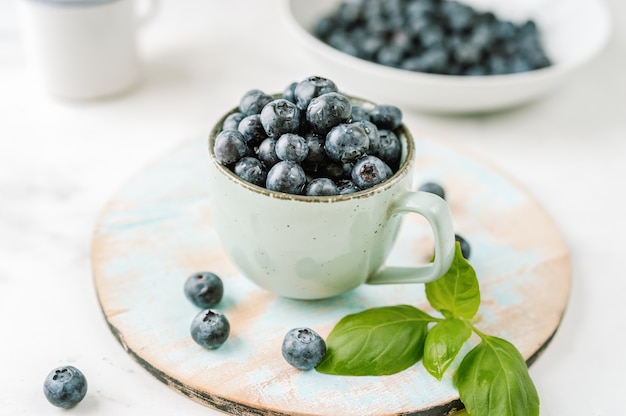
306,247
83,49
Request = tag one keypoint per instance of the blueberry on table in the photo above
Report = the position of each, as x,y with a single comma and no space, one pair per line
465,246
310,88
292,147
204,289
279,117
210,329
328,110
286,176
230,146
433,188
370,171
346,143
303,348
321,187
253,101
65,386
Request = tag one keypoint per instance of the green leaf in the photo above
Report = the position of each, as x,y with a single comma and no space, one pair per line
456,293
443,343
376,342
493,380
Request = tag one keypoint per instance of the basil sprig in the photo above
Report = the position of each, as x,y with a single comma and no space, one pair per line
492,378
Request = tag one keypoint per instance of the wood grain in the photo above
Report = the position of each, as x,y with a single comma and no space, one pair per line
157,230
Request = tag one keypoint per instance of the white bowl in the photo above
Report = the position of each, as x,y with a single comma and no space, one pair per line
573,31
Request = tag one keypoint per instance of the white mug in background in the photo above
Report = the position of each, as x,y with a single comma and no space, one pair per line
83,49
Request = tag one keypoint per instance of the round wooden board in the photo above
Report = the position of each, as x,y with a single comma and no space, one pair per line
157,230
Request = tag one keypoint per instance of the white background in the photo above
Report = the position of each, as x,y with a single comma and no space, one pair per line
61,162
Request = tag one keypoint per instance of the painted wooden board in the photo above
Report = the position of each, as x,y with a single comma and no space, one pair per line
157,230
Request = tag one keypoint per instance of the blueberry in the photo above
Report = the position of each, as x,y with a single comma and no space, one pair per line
346,143
252,130
232,121
267,152
252,170
303,348
328,110
253,101
230,146
359,113
390,148
279,117
332,169
346,186
204,289
310,88
65,387
316,155
370,171
286,176
210,328
387,117
372,134
321,187
465,247
291,147
433,188
288,92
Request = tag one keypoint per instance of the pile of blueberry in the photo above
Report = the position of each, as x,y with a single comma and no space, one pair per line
312,140
433,36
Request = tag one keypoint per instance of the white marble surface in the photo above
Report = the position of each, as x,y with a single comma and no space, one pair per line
60,162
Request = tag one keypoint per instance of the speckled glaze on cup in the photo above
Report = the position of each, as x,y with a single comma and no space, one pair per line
306,247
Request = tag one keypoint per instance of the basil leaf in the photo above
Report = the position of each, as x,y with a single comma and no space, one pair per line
443,343
456,293
376,342
493,380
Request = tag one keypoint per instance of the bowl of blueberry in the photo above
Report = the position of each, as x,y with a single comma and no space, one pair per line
448,56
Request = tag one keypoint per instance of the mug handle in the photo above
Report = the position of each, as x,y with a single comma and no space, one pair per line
437,212
146,14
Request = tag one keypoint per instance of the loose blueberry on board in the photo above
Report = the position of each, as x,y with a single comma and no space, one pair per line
253,101
279,117
286,176
204,289
65,386
328,110
346,143
303,348
433,188
370,171
465,246
230,146
310,88
292,147
321,187
210,328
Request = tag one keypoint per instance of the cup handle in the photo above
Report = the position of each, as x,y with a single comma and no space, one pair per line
437,212
146,14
